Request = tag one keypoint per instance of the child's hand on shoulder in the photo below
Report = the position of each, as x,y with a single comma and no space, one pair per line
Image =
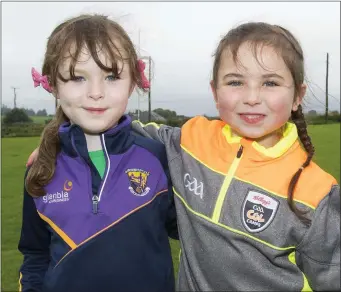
33,157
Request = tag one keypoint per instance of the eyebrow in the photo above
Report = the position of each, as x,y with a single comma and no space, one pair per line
272,75
233,75
76,71
236,75
81,71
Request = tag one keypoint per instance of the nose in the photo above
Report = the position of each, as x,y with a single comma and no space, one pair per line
252,96
96,90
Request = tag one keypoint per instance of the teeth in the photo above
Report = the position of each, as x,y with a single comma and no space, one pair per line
253,116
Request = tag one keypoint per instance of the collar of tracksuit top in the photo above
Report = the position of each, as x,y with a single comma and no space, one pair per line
254,152
114,141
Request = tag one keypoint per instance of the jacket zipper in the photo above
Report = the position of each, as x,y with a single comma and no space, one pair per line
225,186
95,199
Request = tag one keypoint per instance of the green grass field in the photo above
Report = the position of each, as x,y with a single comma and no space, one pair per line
15,151
40,120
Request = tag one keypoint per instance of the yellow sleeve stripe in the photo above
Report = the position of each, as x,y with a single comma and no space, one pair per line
20,277
60,232
306,286
148,124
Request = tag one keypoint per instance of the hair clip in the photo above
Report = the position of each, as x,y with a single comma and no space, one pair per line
38,79
141,67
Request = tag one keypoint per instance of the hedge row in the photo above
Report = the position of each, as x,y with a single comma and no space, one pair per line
22,130
35,129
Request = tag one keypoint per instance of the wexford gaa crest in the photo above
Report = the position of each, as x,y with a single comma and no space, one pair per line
138,181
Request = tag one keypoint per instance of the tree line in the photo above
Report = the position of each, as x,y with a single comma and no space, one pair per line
30,112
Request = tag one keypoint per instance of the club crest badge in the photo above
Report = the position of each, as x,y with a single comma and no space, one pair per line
138,181
258,211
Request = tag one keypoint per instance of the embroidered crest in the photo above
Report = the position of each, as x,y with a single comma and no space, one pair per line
258,211
138,181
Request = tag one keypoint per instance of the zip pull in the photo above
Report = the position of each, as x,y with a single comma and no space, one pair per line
94,204
240,151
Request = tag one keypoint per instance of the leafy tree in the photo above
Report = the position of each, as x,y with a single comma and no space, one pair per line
312,113
42,113
17,116
30,112
167,114
5,109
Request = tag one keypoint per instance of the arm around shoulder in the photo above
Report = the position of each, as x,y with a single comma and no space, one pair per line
318,255
158,132
169,136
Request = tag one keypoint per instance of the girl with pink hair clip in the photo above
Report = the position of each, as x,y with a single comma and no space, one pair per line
98,204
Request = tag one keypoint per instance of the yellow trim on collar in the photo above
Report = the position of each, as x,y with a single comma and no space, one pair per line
228,135
289,138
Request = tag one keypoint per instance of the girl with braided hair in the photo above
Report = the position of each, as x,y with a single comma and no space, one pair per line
255,213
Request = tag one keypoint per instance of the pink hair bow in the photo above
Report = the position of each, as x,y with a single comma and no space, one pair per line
141,67
40,80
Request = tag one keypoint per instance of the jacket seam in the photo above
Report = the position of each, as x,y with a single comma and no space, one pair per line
318,262
170,161
314,220
274,193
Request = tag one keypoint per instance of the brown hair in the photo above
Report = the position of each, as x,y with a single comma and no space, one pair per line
286,45
95,32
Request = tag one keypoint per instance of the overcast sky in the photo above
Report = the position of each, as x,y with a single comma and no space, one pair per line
180,38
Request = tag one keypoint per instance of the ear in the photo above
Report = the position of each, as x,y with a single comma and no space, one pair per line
54,93
299,97
214,92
